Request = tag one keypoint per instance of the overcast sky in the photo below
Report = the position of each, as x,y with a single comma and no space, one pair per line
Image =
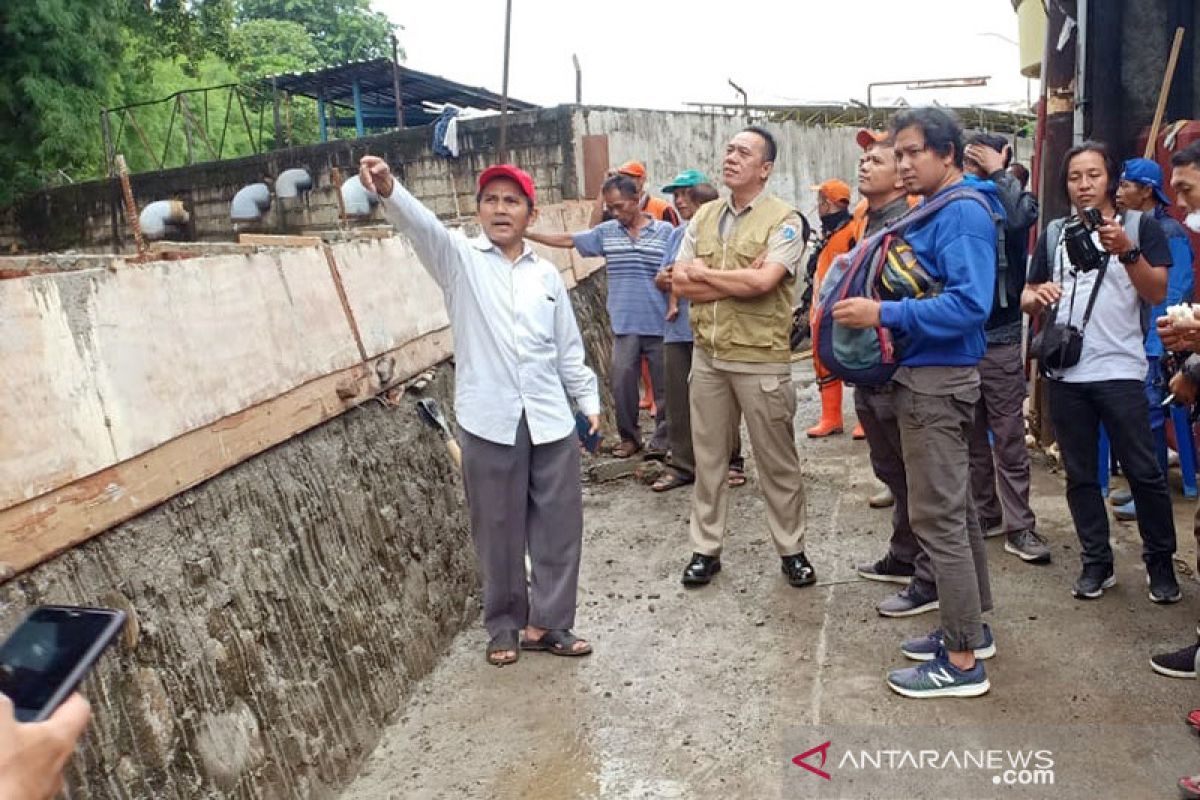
665,53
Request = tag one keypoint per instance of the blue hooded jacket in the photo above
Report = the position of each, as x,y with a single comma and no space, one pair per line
957,246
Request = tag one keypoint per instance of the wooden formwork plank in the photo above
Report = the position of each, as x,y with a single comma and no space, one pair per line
39,529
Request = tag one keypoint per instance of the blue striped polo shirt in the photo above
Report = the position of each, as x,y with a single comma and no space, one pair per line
635,304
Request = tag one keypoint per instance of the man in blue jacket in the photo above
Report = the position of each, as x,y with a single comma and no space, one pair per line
936,389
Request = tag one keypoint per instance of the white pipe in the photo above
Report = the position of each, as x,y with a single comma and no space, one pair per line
250,203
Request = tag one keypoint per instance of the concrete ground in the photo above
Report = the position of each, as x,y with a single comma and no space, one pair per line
711,692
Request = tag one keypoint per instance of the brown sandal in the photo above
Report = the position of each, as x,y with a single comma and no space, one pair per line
559,643
670,481
504,641
626,449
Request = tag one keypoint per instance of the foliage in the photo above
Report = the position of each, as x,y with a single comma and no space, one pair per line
342,30
57,69
62,61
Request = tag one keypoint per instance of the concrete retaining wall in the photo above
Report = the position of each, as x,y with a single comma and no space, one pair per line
671,141
281,611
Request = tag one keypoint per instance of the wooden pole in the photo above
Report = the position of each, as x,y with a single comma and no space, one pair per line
1164,92
396,83
131,212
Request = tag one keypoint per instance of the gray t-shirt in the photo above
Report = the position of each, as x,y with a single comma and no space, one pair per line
1113,347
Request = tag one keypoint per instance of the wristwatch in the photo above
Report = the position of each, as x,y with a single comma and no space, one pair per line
1130,256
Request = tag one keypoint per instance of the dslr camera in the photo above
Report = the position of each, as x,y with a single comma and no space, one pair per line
1082,252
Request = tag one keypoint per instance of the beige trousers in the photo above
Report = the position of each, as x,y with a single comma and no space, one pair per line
768,403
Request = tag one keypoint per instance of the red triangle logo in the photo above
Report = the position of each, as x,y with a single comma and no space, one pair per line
800,761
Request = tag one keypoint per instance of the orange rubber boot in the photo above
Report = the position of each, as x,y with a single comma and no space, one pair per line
647,401
831,412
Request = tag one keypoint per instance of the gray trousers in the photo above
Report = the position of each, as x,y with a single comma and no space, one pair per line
934,431
677,367
876,410
1000,410
525,496
625,375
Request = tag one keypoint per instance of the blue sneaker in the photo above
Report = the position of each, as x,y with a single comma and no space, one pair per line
939,678
1125,512
925,648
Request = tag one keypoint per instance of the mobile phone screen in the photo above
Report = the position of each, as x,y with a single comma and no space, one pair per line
50,652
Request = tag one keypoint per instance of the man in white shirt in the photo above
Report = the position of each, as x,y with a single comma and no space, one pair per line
519,356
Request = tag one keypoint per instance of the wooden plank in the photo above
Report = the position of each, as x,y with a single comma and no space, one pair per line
273,240
39,529
595,163
341,293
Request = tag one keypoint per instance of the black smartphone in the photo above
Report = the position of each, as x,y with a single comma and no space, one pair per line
50,653
590,441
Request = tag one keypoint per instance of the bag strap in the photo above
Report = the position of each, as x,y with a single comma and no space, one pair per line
1087,312
1001,260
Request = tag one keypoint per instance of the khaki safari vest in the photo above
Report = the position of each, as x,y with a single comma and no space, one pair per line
752,330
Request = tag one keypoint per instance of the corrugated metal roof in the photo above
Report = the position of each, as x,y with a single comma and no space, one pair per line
336,84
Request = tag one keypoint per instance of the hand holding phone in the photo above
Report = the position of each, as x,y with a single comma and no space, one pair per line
588,438
49,654
34,754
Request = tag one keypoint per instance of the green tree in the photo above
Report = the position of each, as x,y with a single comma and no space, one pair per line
58,67
262,47
342,30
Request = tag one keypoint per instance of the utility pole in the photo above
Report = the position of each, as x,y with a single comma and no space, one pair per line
503,149
578,80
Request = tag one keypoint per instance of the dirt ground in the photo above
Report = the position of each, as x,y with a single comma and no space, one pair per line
711,692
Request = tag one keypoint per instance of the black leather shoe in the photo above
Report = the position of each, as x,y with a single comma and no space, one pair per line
700,569
798,571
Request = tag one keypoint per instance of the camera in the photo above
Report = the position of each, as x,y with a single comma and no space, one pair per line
1082,252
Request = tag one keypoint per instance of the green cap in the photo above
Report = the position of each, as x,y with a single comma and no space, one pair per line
686,179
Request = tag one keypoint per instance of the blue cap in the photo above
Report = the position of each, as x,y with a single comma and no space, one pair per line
1147,173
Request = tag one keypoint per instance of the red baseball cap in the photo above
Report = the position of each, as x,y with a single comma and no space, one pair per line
867,137
515,174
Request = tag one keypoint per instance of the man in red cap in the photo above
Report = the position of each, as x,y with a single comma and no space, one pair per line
885,201
518,356
837,237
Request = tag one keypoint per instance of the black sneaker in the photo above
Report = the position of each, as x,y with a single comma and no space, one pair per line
887,569
1164,589
1091,583
1027,546
1180,664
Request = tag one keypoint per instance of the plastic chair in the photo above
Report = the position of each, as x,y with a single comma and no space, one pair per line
1181,421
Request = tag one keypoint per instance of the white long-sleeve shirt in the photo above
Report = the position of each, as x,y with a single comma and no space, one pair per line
516,342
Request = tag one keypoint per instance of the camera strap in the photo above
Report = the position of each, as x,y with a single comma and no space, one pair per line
1062,269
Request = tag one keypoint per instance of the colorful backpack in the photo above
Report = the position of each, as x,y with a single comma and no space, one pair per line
882,267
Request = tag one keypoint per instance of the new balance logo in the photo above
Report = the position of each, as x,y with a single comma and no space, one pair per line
941,677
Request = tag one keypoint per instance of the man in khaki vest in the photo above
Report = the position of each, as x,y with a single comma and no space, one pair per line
741,316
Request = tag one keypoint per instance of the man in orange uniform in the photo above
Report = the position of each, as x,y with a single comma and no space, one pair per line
837,237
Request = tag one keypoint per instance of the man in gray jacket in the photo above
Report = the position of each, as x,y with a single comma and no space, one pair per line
1000,410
